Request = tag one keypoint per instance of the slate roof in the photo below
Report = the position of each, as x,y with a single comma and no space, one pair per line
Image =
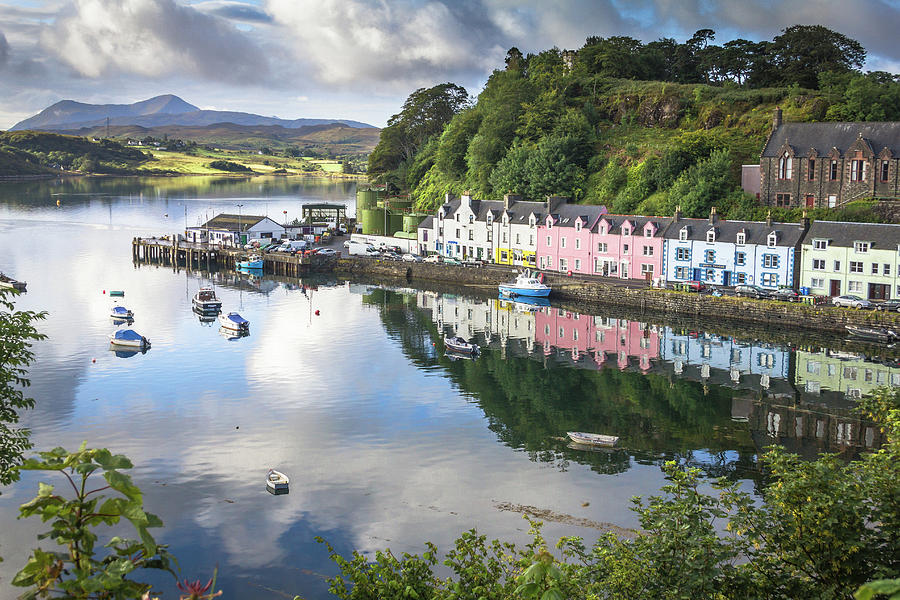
427,223
883,236
616,222
757,232
230,222
567,214
825,136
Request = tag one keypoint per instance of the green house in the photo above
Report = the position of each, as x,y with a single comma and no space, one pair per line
851,258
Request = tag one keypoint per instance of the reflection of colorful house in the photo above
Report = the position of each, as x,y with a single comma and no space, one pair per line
606,340
850,374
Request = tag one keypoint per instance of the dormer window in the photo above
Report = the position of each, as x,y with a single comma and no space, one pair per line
741,238
820,244
602,230
772,239
531,221
626,230
861,247
682,235
648,232
441,216
578,225
457,217
471,219
711,236
490,219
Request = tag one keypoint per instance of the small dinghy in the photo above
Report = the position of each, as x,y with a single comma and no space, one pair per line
277,482
120,312
117,293
592,439
129,338
458,344
234,322
12,284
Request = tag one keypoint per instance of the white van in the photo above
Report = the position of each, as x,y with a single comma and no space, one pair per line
293,246
359,249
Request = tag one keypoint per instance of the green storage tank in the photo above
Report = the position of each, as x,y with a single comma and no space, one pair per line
395,223
365,198
411,221
400,204
373,221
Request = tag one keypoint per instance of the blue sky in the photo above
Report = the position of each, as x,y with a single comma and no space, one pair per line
351,59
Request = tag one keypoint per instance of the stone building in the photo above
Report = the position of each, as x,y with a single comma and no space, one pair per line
829,164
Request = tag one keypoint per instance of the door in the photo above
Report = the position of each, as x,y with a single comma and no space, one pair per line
810,201
835,287
878,291
696,275
726,278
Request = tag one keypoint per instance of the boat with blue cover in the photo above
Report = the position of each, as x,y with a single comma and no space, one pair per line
120,312
234,322
129,338
525,284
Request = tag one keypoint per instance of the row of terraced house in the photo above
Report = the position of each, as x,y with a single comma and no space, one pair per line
829,258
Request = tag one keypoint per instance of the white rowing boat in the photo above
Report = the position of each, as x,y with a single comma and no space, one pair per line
592,439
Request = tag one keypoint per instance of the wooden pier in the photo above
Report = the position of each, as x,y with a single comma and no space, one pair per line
195,256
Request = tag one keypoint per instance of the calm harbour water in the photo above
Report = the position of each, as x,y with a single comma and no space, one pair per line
387,442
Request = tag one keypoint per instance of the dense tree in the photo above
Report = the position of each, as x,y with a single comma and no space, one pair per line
451,152
802,52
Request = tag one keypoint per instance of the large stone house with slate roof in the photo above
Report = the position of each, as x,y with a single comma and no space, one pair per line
852,258
829,164
729,253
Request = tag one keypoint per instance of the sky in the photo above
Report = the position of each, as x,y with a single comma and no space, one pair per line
350,59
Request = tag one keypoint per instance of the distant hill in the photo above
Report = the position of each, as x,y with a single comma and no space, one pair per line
68,116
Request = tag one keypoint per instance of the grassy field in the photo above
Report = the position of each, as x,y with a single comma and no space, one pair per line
196,162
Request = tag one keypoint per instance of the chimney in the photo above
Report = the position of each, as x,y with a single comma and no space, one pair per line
776,118
713,217
509,199
769,219
466,199
447,198
677,213
804,221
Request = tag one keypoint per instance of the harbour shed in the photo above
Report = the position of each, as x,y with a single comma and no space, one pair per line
232,230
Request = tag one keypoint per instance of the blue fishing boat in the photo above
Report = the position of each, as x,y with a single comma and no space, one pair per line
251,262
525,285
120,312
129,338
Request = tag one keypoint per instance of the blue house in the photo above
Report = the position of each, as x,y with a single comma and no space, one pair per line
730,253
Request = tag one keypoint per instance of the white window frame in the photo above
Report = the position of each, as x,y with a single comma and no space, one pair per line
710,236
820,244
741,238
860,247
683,235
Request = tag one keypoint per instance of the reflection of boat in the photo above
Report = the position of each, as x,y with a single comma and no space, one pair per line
875,334
453,355
205,300
251,262
232,335
458,344
277,481
129,338
234,322
592,439
206,318
10,283
526,303
524,285
120,312
128,353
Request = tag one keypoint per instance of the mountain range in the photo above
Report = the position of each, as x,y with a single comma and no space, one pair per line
68,116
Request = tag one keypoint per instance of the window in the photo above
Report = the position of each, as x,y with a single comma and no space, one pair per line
740,278
578,243
772,239
817,282
854,286
471,218
858,170
682,235
860,247
562,242
647,270
837,266
856,267
811,175
741,238
685,273
770,261
549,262
440,232
601,247
457,234
624,248
648,250
885,170
563,264
709,256
471,234
874,268
820,244
682,254
740,259
833,172
711,236
818,264
578,225
709,275
424,235
490,219
782,199
504,235
518,238
785,166
648,232
769,279
457,217
885,269
602,230
531,240
548,241
490,235
577,264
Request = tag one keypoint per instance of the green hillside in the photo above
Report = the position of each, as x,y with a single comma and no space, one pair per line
641,128
32,152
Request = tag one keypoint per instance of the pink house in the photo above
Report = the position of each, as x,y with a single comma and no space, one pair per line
621,246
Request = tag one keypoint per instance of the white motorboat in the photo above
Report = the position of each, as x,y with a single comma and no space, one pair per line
205,300
234,322
120,312
458,344
276,481
129,338
592,439
12,284
525,284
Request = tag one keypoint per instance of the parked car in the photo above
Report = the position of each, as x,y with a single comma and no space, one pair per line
433,258
887,305
412,258
694,286
750,291
390,255
786,294
449,260
327,251
473,262
849,301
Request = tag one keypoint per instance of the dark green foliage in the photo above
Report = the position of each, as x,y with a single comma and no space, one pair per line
454,142
17,335
703,185
802,52
227,165
64,152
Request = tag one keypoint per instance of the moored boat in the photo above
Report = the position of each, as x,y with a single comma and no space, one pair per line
458,344
592,439
877,334
129,338
234,322
525,284
251,262
205,300
276,481
120,312
10,283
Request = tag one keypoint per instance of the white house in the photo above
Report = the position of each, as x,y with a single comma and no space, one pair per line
225,229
